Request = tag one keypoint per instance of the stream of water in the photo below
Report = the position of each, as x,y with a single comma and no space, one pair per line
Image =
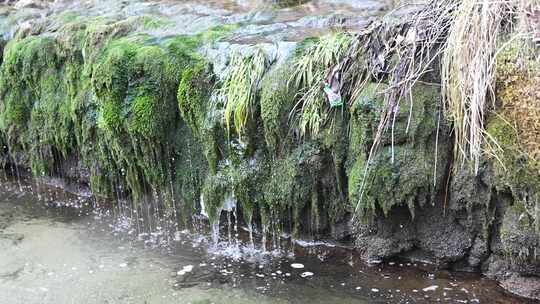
56,248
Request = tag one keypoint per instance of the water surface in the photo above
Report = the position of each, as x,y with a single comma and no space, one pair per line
54,248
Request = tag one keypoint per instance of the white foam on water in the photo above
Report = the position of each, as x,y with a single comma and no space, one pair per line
240,251
306,274
305,243
297,265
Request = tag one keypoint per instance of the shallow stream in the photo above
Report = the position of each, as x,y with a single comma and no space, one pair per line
55,248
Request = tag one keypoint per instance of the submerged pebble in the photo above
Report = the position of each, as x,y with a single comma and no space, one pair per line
297,265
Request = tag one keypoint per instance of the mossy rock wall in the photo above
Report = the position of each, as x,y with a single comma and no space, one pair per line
411,163
516,165
96,90
143,118
138,117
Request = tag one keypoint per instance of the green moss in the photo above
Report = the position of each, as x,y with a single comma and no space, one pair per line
110,81
409,179
519,239
154,105
276,102
516,164
35,111
279,190
215,187
218,33
136,85
99,92
197,110
288,3
188,44
194,95
190,172
68,16
292,185
151,23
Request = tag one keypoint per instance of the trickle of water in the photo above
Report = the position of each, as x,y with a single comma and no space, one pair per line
235,214
264,232
214,230
229,223
250,230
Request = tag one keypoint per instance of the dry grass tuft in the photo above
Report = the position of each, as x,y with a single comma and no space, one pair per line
468,75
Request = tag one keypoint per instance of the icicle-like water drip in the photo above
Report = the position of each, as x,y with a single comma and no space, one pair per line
264,227
214,230
214,222
154,204
173,196
235,214
264,232
273,228
229,205
250,231
229,223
